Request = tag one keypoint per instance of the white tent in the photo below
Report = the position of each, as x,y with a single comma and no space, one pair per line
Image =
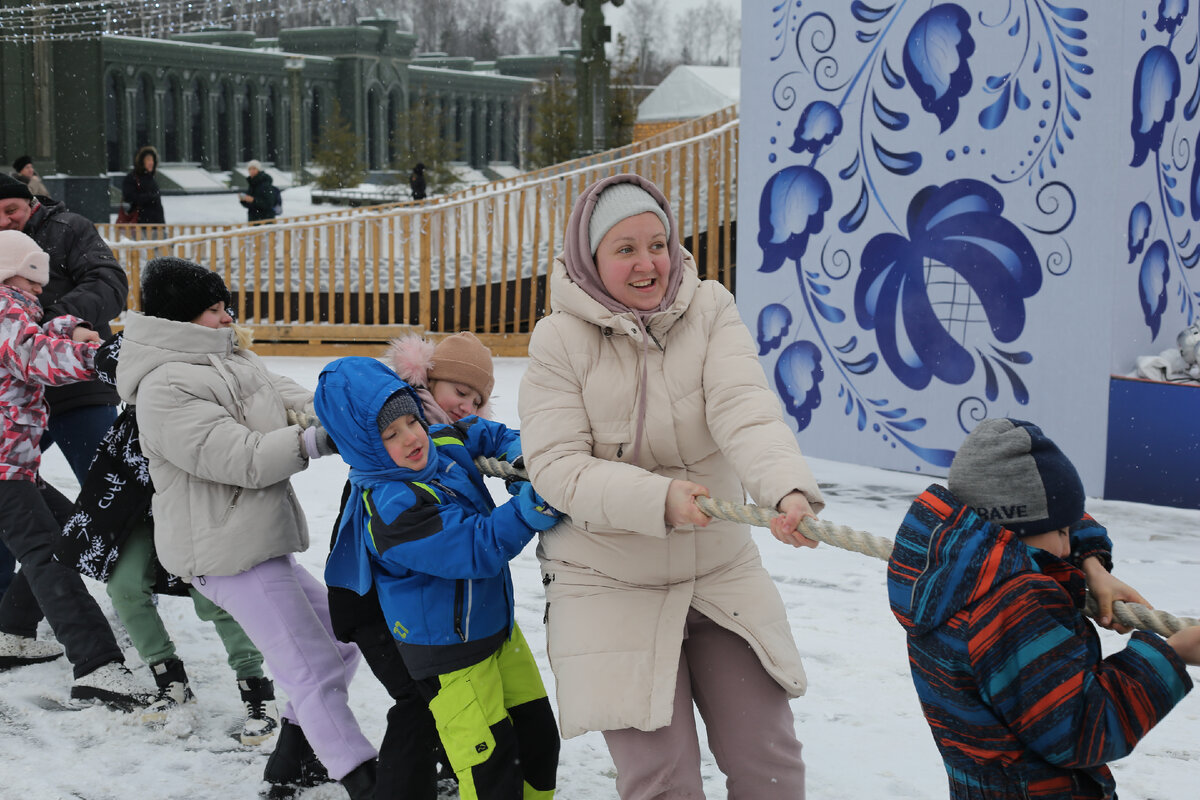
690,92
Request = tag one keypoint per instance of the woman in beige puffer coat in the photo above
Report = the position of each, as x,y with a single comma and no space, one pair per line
644,391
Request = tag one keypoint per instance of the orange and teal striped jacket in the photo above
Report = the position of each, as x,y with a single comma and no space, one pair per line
1008,670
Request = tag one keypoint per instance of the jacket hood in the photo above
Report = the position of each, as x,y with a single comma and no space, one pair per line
45,208
27,302
150,342
946,558
138,160
350,393
577,249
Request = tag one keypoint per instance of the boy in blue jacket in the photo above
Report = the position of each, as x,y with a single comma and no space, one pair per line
422,526
987,579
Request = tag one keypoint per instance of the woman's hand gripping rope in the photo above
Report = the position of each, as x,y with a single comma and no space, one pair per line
1132,615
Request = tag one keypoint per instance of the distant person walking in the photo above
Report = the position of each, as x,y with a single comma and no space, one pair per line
259,200
416,182
24,172
140,196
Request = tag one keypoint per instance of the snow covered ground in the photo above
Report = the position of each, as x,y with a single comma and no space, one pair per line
862,729
863,732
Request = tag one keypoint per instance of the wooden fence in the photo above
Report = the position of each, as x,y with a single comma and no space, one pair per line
475,260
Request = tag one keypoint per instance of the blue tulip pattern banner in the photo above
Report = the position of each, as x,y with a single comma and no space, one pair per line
919,264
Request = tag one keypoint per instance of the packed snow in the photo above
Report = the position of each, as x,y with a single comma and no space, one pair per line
863,732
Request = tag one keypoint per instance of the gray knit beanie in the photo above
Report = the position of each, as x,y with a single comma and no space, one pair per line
621,201
400,404
1012,474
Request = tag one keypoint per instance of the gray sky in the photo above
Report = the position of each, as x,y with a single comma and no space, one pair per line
615,16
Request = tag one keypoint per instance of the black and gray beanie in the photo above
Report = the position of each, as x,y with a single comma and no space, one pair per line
401,403
1010,473
180,290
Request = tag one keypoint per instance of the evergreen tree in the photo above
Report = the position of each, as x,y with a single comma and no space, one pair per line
337,153
419,139
556,126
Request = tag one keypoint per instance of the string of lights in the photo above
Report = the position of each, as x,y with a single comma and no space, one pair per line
90,19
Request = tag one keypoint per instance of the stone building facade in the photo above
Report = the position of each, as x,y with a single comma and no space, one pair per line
216,99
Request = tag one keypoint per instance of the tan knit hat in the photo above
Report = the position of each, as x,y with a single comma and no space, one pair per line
462,358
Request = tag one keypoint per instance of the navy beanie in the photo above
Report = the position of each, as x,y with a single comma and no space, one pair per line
1012,474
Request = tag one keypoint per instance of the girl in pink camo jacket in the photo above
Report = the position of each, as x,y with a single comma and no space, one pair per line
33,357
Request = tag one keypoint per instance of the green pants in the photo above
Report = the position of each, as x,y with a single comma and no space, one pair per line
131,589
497,726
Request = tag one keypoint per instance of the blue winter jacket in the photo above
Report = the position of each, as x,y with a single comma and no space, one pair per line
433,541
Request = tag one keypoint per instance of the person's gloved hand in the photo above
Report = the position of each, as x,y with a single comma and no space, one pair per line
533,510
513,456
302,418
316,442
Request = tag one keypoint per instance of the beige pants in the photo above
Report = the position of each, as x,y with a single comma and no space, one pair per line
751,731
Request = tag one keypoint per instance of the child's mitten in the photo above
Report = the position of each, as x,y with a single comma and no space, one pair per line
316,442
533,508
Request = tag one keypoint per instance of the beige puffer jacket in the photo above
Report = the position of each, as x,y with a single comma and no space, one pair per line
619,582
213,425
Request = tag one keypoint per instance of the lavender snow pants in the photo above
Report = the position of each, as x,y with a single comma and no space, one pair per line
285,612
751,731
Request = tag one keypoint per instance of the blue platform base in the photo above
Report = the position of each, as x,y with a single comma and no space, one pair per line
1153,443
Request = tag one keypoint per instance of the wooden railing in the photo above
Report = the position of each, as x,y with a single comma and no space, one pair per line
113,232
473,260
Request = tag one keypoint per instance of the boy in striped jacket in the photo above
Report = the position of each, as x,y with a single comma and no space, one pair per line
988,580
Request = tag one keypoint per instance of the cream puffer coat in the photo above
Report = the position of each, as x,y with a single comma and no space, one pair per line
213,425
618,581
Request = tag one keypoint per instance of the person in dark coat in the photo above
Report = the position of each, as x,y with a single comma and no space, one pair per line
259,201
987,578
416,182
140,192
24,172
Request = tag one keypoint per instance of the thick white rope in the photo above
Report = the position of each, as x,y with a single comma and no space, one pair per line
1133,615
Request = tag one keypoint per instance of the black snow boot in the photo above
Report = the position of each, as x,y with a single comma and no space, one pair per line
359,783
293,764
262,717
173,690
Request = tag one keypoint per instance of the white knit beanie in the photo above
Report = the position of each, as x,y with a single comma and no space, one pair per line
20,255
621,201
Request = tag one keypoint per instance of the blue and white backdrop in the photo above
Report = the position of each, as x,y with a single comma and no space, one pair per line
952,211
